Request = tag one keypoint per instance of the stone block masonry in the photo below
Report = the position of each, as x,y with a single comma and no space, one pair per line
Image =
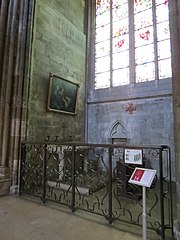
58,47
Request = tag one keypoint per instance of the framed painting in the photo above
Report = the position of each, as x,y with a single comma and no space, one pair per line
62,96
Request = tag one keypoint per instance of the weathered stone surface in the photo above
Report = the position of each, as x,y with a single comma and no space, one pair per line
175,37
58,47
177,230
4,186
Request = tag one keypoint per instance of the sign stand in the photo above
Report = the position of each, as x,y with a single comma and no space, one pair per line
144,216
143,177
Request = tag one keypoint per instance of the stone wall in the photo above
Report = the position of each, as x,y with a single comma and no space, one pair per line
145,121
59,47
175,36
144,110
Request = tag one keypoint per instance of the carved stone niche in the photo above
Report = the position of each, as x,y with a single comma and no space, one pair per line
119,136
118,133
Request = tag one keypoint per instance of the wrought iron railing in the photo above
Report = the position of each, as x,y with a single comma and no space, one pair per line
94,178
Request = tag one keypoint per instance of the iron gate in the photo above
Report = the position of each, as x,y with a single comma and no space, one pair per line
94,178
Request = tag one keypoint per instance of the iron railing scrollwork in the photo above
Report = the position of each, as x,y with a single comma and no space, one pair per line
94,178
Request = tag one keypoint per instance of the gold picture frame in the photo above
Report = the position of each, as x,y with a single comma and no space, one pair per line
62,95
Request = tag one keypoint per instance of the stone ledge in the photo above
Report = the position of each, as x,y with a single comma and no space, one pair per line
4,186
177,230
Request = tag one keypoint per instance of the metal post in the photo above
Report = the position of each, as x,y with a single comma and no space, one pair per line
161,194
44,173
110,185
23,156
73,179
144,216
170,190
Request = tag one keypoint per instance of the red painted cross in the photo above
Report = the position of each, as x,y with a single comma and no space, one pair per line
130,108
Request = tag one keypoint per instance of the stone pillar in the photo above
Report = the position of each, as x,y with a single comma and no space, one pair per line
6,21
175,43
15,28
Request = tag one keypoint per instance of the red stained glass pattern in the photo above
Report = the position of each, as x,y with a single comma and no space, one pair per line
144,55
144,31
144,3
121,43
120,9
140,41
141,5
102,6
163,37
121,31
145,35
165,2
143,25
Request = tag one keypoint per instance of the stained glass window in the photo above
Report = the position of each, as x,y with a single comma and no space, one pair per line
142,58
121,77
102,6
141,5
119,10
117,60
143,19
163,39
102,64
103,33
163,31
102,80
102,48
162,13
144,37
120,35
131,37
164,49
164,68
145,72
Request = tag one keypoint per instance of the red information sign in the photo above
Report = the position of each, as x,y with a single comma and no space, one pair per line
138,175
143,177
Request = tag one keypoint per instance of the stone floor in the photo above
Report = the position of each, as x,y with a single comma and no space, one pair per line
22,218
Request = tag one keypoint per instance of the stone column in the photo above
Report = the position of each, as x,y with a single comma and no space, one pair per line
15,48
7,44
20,94
175,43
90,16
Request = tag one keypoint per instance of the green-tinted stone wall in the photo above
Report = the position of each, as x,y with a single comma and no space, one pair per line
59,47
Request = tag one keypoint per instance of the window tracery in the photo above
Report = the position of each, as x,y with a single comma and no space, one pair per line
132,42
